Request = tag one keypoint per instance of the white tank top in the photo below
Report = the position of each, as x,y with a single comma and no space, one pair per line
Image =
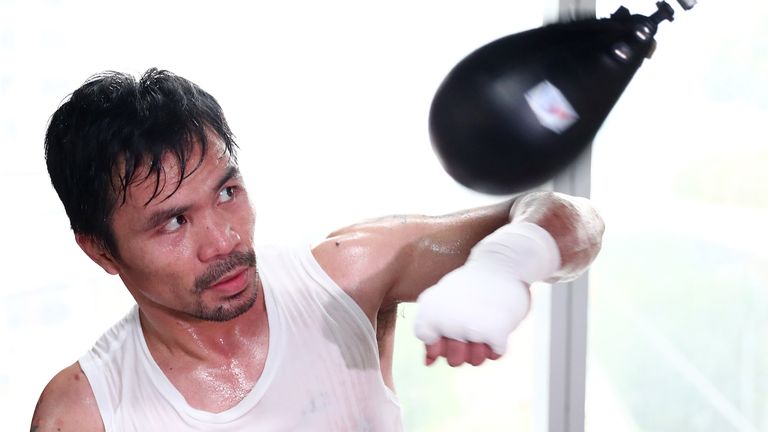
322,370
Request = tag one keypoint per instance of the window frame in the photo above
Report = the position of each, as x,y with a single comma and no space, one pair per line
563,315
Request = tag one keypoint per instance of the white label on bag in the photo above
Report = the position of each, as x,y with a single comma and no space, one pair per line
551,108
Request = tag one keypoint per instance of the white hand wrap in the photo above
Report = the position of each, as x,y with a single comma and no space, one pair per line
486,298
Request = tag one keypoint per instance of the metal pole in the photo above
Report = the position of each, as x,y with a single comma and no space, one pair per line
565,305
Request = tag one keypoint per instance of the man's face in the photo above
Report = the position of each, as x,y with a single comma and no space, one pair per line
190,253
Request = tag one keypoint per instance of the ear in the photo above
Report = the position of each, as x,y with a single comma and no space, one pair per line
97,253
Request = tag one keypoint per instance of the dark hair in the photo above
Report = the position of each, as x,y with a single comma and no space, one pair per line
111,127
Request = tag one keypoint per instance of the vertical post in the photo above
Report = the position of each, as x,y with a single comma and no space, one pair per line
569,10
562,314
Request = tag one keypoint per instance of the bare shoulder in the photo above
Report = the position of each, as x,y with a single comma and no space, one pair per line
67,404
365,259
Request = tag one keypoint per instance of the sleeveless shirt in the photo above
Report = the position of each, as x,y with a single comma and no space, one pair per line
322,370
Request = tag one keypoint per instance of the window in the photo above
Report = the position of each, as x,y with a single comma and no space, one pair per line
678,306
329,101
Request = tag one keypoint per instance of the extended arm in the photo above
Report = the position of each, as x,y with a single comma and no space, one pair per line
395,259
468,315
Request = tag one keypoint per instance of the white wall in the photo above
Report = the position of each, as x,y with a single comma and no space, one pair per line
329,101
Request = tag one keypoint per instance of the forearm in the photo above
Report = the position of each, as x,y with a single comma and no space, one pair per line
572,221
549,236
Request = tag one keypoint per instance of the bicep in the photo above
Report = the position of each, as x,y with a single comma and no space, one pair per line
67,404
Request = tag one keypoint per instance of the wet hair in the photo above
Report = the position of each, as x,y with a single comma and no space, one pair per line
115,131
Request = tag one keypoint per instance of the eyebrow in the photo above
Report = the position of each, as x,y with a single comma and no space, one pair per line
162,215
232,172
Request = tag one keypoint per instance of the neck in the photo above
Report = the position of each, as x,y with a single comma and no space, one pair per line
180,335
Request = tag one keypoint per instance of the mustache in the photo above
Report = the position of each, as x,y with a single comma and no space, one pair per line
224,266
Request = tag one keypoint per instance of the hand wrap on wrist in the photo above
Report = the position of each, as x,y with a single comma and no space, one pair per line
486,298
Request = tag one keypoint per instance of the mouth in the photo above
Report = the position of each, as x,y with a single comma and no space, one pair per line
231,283
228,275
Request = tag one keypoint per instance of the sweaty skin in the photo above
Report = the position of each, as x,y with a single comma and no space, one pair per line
403,256
169,245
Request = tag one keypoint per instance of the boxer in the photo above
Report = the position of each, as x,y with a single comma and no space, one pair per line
227,335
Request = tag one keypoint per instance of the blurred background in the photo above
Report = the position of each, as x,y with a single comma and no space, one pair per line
678,312
329,102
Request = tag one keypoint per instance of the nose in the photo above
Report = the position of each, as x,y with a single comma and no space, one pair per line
217,239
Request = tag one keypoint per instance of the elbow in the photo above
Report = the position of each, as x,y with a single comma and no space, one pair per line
573,222
583,242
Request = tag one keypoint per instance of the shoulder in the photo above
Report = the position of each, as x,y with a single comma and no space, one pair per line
67,403
366,259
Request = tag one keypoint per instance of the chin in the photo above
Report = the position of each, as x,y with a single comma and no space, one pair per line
228,309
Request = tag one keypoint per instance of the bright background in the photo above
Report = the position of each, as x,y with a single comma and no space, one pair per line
329,101
678,312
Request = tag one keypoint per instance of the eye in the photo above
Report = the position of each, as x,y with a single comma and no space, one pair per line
227,194
175,223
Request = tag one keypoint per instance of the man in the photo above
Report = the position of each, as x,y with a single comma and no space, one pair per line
228,337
